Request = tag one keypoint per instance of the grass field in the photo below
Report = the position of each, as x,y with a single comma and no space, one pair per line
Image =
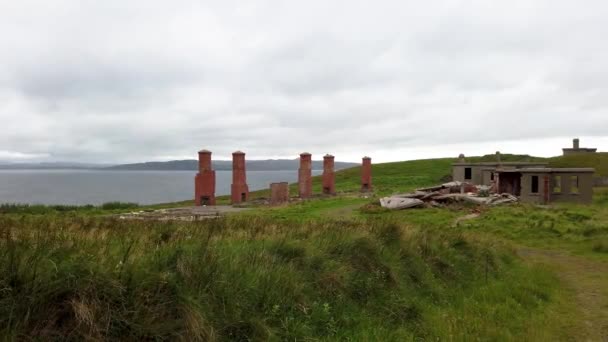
332,268
258,278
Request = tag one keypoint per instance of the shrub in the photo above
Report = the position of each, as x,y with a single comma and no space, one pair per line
118,205
601,246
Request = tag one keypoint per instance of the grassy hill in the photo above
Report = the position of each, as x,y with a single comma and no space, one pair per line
598,161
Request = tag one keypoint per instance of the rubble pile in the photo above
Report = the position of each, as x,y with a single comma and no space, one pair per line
439,196
180,214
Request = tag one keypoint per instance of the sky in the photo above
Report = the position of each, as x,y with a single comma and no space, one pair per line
118,81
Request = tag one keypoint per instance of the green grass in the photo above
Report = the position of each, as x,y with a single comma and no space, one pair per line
86,209
248,278
39,209
330,207
582,229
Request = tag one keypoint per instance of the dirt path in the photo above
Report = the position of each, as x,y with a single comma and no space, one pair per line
587,280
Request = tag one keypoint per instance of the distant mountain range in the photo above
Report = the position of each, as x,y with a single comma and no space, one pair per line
223,165
176,165
51,166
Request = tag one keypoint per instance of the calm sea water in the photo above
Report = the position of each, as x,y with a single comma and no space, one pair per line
96,187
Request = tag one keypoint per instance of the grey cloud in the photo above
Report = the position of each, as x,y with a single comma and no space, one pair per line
115,82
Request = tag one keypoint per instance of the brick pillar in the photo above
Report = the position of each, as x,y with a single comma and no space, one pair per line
279,193
204,181
329,178
305,175
239,189
366,174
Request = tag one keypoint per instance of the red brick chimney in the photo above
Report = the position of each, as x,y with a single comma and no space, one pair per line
366,174
204,181
305,175
239,189
329,178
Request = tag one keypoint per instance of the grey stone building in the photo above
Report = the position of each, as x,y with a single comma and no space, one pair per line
483,173
547,185
530,181
576,149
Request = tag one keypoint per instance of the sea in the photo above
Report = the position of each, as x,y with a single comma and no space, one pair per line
80,187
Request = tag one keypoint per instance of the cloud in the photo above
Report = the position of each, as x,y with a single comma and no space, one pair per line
144,80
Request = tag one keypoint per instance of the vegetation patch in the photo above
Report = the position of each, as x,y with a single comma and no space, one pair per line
257,278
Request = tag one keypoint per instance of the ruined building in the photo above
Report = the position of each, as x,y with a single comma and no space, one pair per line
329,177
204,181
239,191
305,175
279,193
546,185
366,174
483,173
576,149
531,182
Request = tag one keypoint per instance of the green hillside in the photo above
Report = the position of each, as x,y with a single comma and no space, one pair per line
394,177
599,161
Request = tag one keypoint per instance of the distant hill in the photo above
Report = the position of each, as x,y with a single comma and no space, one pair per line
598,161
50,166
226,165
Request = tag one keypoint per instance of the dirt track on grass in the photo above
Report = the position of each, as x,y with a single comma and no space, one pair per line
587,280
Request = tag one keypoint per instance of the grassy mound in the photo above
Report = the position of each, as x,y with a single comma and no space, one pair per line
598,161
75,278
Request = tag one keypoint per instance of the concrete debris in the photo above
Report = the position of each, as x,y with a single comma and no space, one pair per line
416,194
439,196
196,213
452,188
400,203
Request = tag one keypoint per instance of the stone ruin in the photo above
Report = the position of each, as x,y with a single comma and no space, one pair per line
279,193
305,175
239,191
204,181
329,177
366,174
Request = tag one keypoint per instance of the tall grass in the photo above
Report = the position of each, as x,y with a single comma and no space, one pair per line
74,278
41,209
579,228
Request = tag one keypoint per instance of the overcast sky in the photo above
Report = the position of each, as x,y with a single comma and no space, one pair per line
127,81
